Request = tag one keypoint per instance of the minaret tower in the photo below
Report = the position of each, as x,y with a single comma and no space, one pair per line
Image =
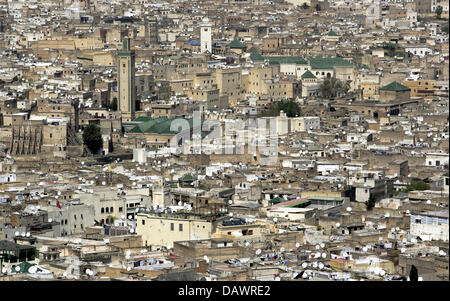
126,78
205,36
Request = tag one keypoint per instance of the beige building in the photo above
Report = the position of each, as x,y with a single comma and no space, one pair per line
165,229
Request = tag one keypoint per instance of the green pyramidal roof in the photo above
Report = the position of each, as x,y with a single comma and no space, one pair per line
395,86
236,44
255,56
332,34
308,74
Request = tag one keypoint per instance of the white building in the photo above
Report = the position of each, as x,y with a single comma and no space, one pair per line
436,159
431,225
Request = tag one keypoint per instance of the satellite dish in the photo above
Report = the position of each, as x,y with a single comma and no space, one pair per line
17,233
275,219
317,247
131,230
314,264
349,209
324,255
321,265
17,268
282,250
28,234
304,265
297,245
23,234
247,244
168,247
258,251
429,202
338,225
231,214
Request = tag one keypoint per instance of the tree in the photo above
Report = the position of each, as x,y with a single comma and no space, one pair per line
305,6
318,8
332,87
113,104
413,274
92,138
290,107
445,28
415,186
438,11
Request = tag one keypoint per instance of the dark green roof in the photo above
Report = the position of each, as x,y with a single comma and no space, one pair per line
308,74
255,56
276,200
395,86
143,119
159,125
332,34
24,267
146,126
276,60
187,178
237,44
320,62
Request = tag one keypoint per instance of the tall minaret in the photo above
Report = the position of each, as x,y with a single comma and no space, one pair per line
205,36
126,80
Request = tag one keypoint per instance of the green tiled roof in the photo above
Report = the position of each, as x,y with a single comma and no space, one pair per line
255,56
143,119
395,86
159,125
308,74
276,200
146,126
320,62
237,44
332,34
275,60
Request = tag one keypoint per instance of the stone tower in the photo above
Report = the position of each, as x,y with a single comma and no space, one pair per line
151,32
205,36
126,79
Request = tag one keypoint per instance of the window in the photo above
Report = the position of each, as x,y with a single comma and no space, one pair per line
102,210
180,227
143,222
171,227
111,210
120,209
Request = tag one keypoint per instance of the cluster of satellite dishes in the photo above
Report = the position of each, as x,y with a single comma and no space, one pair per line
23,234
89,272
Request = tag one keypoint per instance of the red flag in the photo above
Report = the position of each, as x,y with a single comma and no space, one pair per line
58,204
